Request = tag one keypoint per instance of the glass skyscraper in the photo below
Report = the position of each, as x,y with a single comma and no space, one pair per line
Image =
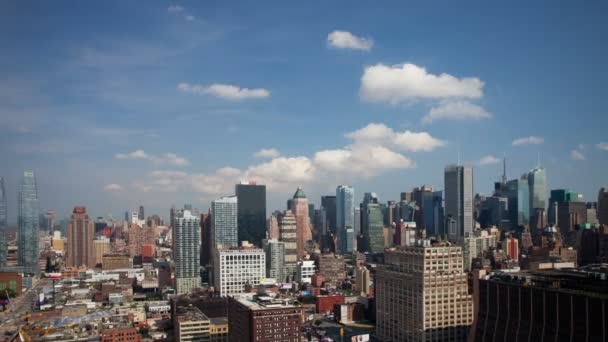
518,193
251,209
27,222
537,183
224,222
345,216
3,219
372,224
458,182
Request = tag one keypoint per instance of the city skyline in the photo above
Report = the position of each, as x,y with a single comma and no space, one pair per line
106,138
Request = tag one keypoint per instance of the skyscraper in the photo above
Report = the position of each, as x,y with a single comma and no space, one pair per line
372,224
537,185
140,213
3,219
438,213
458,183
299,207
602,206
275,259
27,221
423,196
186,251
224,222
345,216
79,249
518,194
251,199
288,234
329,204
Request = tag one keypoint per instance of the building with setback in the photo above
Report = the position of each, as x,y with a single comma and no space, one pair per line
251,212
186,251
27,224
422,295
79,248
299,208
458,183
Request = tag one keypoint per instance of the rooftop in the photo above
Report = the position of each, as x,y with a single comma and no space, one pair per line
299,193
190,313
265,302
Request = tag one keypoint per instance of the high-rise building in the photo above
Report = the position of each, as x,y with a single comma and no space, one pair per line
79,248
537,184
3,223
28,209
299,207
206,241
422,295
329,204
518,194
438,214
186,251
101,247
345,216
140,213
224,222
288,234
423,196
602,206
511,247
235,269
372,224
558,197
251,216
459,200
264,319
275,259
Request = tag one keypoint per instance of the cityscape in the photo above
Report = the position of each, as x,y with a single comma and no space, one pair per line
338,172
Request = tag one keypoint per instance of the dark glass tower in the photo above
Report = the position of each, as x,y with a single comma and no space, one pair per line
251,212
28,223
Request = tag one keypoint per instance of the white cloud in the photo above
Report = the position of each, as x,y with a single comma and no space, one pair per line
577,155
221,182
282,170
407,82
189,17
361,160
267,153
347,40
113,187
175,8
531,140
377,133
167,158
225,91
602,146
456,110
488,160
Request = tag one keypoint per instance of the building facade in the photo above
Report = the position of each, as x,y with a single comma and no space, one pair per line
299,208
275,259
251,212
345,217
79,248
28,222
186,251
458,183
238,268
224,222
288,235
372,224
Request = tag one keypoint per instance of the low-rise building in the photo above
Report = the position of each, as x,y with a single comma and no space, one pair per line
305,271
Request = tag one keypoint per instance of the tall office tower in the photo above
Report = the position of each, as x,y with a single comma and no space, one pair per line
319,225
423,196
272,226
275,260
422,295
458,183
406,196
235,269
79,249
357,222
602,206
299,207
3,223
224,224
329,204
438,213
496,211
186,251
28,208
49,221
206,242
251,199
372,224
311,212
551,305
101,247
345,216
140,213
518,194
537,185
172,213
288,232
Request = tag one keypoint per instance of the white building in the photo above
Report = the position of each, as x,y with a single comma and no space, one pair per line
237,267
305,271
186,251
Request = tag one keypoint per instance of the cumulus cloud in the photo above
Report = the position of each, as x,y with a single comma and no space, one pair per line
175,9
488,160
456,110
225,91
531,140
577,155
113,187
267,153
167,158
380,134
347,40
361,160
220,182
602,146
189,17
404,83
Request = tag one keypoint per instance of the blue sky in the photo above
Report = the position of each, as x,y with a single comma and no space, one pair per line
118,103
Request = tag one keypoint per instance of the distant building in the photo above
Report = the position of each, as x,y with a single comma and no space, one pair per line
602,206
405,234
362,281
329,204
12,281
116,261
120,335
224,225
288,234
251,212
422,295
264,319
237,268
372,224
458,183
186,251
423,197
299,208
554,305
101,247
511,247
345,216
475,246
305,271
275,259
190,324
518,193
79,248
332,267
27,224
